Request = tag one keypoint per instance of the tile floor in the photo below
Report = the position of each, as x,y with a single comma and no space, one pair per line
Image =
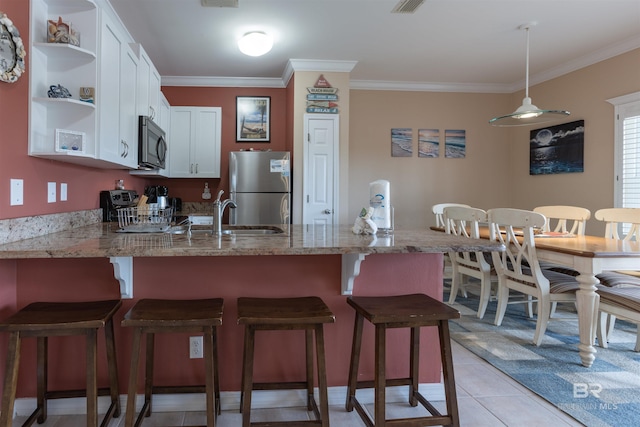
486,397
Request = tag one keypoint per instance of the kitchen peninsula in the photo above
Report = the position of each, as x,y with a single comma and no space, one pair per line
306,260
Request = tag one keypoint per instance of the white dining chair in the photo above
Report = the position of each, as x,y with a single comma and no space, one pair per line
564,219
518,267
621,224
465,221
438,212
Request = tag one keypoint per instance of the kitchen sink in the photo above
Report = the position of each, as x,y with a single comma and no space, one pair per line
251,230
230,230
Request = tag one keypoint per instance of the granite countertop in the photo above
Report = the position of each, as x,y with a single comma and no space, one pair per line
101,240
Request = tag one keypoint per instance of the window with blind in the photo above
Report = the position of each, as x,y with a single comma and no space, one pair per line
627,151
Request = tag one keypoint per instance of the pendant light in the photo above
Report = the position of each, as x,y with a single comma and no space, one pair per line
527,113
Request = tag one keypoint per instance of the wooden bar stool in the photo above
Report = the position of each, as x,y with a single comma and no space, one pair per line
305,313
49,319
151,316
403,311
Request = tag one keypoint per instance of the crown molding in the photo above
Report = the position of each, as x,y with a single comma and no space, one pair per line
428,87
205,81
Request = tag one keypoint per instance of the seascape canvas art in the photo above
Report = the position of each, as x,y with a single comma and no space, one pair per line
455,143
428,143
557,149
401,142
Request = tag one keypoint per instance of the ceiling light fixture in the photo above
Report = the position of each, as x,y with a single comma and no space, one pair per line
527,113
255,43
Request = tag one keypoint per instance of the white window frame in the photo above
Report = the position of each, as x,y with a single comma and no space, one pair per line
624,107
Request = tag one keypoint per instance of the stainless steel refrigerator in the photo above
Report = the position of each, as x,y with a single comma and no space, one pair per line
260,184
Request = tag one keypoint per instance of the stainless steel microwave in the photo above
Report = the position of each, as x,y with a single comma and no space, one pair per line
152,145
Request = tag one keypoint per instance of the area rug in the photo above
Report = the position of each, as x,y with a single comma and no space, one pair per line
607,394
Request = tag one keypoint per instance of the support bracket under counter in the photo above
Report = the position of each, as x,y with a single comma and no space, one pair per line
123,272
350,270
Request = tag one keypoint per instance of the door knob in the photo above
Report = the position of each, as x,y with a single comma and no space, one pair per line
327,211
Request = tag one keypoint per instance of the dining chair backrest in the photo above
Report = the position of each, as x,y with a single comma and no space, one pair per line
621,223
465,221
565,219
438,211
514,228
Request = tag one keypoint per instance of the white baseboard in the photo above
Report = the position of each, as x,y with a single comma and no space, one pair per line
229,400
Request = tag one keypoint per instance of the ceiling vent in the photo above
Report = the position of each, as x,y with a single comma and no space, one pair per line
405,6
220,3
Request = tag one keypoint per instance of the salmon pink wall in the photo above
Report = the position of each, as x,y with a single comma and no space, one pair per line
191,189
227,277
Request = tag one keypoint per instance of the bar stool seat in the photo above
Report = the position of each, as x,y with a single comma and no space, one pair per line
402,311
49,319
304,313
151,316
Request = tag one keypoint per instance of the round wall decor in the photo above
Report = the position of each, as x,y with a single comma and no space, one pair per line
12,51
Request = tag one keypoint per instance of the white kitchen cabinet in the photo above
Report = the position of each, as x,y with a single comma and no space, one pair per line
117,97
194,144
72,67
148,85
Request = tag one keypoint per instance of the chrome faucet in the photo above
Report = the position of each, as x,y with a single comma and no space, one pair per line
218,211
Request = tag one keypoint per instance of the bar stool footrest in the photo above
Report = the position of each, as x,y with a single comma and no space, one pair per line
436,418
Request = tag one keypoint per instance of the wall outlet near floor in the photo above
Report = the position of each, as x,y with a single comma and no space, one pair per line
195,348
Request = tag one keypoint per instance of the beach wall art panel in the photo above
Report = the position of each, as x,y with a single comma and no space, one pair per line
557,149
428,142
455,143
401,142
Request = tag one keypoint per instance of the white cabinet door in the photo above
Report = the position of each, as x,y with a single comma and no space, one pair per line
117,97
148,85
194,145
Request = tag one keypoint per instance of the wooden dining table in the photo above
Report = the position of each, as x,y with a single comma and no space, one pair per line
588,255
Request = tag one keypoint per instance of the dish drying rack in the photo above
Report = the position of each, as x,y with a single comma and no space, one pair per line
144,219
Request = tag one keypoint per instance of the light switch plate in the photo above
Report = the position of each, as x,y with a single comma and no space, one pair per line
63,192
51,192
17,192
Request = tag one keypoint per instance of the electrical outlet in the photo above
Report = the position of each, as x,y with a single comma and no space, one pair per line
63,192
196,348
51,192
17,192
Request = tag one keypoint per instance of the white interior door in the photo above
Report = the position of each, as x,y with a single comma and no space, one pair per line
320,205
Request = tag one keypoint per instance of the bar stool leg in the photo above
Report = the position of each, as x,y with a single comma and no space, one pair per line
322,376
355,361
449,379
92,380
112,367
216,378
133,377
414,365
10,379
380,375
247,375
308,338
149,366
42,380
209,374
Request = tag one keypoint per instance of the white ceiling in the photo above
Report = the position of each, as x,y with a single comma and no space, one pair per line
468,45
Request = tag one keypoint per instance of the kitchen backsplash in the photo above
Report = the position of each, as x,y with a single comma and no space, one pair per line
14,229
